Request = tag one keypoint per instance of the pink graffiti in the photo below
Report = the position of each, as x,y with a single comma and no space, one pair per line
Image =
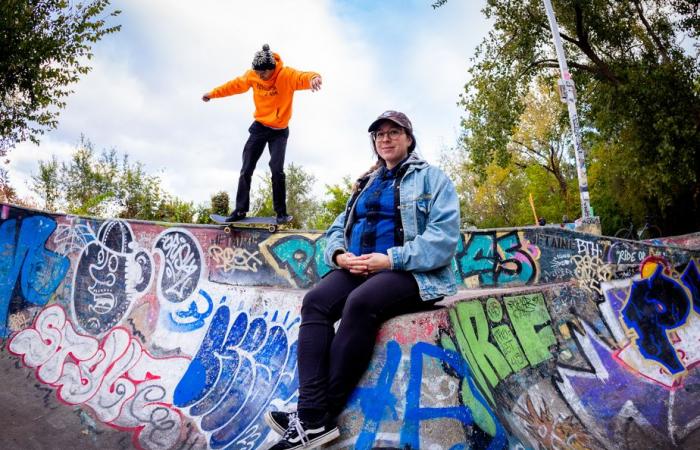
122,383
532,249
421,328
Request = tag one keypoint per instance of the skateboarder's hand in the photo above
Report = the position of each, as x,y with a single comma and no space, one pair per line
316,83
206,98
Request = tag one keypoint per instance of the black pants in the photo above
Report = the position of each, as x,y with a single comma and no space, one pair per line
331,363
277,144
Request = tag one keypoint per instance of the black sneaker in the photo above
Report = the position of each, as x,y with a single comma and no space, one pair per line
278,421
301,435
282,219
235,216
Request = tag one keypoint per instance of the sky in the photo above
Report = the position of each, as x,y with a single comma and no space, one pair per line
143,94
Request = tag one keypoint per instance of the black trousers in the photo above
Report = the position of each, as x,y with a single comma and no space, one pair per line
254,146
331,363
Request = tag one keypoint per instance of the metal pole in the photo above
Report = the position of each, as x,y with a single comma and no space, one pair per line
567,90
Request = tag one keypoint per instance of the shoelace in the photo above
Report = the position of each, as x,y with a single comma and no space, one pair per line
296,425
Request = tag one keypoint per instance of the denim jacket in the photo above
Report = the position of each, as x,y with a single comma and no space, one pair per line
430,224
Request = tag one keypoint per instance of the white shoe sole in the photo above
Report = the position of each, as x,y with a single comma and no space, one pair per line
319,441
274,426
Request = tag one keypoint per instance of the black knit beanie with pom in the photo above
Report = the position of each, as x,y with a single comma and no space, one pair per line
264,59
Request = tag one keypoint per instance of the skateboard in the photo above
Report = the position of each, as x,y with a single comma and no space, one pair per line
259,223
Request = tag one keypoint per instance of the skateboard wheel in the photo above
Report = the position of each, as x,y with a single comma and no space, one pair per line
227,230
272,228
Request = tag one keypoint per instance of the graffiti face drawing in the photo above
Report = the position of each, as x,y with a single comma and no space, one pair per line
112,272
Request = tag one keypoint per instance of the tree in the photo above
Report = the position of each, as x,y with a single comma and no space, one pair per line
7,192
88,183
138,194
498,196
541,136
106,185
538,163
172,209
261,199
638,94
46,45
47,185
300,202
220,203
337,196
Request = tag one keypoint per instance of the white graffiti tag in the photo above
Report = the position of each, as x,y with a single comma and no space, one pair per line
126,387
591,271
229,259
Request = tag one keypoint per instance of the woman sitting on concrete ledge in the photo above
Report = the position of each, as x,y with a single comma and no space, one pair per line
391,250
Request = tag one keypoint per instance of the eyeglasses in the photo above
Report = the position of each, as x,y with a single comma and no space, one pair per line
394,133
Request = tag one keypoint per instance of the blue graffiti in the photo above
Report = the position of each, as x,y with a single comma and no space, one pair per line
415,413
191,319
691,280
236,374
377,403
321,267
658,304
497,260
302,257
23,257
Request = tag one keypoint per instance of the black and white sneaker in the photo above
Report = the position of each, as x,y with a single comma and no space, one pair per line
235,216
278,421
284,218
301,435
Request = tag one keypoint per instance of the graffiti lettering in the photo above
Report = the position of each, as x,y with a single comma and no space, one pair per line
235,375
532,325
24,258
415,413
655,305
591,271
491,363
589,248
554,241
125,386
378,403
181,265
298,258
496,260
191,318
230,259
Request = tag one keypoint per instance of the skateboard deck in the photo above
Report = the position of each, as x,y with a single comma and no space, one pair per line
259,223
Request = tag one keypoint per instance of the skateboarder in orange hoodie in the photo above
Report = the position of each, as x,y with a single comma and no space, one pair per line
273,90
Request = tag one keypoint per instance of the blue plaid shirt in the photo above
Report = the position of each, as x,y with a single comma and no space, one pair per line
375,227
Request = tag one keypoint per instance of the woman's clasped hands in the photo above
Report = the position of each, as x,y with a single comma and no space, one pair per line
363,264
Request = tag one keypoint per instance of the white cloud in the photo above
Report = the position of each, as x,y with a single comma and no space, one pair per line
143,94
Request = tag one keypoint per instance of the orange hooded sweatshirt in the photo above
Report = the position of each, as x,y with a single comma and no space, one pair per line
273,98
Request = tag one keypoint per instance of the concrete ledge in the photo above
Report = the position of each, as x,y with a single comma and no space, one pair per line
121,334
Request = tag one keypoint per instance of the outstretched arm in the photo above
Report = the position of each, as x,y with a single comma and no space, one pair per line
299,80
233,87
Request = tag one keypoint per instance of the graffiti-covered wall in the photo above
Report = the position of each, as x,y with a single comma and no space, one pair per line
183,336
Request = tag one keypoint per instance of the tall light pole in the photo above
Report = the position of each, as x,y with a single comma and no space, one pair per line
567,91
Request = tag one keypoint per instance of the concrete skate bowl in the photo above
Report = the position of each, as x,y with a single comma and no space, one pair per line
129,334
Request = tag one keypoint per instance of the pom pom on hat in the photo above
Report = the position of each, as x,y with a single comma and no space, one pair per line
264,59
